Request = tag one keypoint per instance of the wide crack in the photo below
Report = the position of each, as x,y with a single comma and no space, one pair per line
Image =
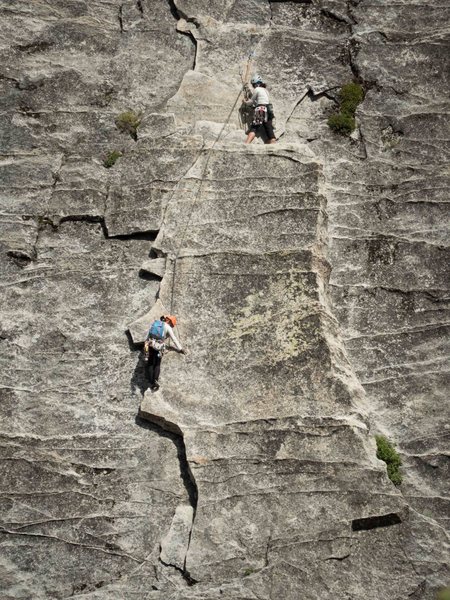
148,234
374,522
172,432
178,15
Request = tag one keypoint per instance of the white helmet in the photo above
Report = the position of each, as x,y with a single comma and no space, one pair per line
256,79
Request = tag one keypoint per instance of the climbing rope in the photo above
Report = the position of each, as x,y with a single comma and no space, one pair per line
245,76
244,79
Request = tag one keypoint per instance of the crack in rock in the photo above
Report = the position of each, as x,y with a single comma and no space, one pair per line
367,523
120,18
182,29
175,545
149,235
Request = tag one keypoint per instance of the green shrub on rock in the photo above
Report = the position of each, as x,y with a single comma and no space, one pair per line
111,159
387,453
128,122
444,594
342,123
350,95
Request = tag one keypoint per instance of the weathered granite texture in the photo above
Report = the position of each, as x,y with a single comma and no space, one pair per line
309,278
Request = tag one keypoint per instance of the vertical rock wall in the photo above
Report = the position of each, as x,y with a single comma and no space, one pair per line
252,472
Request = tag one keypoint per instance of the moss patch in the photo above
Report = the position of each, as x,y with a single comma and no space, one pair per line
387,453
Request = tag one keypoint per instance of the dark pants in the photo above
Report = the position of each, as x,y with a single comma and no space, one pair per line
267,126
154,365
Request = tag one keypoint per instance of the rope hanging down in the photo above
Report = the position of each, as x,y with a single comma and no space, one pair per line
244,78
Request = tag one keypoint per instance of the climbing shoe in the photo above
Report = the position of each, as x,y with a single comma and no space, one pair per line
155,387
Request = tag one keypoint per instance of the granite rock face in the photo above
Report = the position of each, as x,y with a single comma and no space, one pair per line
309,279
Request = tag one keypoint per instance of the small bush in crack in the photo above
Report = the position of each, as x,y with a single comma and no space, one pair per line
342,123
387,453
350,95
128,122
111,159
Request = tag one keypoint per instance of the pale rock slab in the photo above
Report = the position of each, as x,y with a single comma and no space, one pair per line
175,544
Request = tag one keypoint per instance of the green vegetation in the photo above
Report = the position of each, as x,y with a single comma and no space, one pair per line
342,123
249,571
350,95
387,453
128,122
111,159
443,594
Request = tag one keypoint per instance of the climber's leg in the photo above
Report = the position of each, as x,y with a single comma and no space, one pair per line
154,367
271,139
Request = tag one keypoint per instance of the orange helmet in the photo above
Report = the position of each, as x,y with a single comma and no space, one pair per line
171,319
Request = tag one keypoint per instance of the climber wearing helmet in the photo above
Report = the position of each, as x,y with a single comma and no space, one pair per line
263,114
155,345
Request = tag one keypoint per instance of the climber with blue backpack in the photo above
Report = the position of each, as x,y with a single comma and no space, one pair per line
155,345
263,111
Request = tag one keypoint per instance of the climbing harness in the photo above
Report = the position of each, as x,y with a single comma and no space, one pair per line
260,115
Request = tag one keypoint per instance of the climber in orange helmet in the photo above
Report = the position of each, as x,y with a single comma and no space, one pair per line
155,345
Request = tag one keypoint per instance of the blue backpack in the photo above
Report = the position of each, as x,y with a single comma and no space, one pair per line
156,331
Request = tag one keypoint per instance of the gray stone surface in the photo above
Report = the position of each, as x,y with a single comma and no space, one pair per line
175,544
310,280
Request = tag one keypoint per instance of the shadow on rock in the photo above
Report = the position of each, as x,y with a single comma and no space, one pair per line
141,376
178,441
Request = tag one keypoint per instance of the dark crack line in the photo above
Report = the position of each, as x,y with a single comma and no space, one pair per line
148,235
189,580
171,431
367,523
336,17
178,14
353,49
338,558
350,14
120,18
363,143
291,1
313,97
